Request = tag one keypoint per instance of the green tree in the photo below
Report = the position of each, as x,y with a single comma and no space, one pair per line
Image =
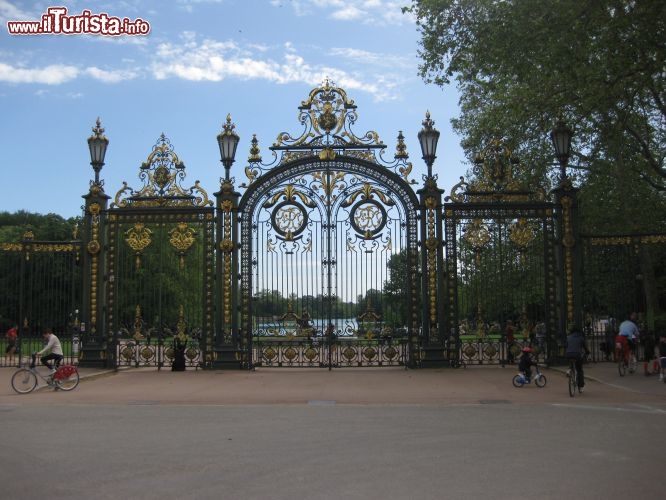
519,64
41,287
597,64
396,297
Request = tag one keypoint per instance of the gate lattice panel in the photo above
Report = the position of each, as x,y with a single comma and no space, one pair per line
329,257
500,257
160,267
41,281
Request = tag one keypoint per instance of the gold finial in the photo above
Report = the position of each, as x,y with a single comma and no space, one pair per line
255,156
98,131
401,148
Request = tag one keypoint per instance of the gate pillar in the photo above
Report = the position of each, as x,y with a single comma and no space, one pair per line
227,344
94,344
228,347
569,249
569,258
434,335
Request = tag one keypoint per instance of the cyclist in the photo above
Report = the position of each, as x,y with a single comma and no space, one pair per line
576,351
53,348
628,334
525,363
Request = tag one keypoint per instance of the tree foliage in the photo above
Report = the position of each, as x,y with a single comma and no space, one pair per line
520,64
600,65
49,282
49,227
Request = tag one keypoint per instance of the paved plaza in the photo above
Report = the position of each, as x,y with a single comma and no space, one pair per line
387,386
347,433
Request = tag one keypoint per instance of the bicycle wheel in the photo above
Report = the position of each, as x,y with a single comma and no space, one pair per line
68,383
24,381
632,364
540,380
573,381
518,381
621,366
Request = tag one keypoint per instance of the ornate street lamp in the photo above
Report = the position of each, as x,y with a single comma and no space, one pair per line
97,143
428,137
561,137
228,142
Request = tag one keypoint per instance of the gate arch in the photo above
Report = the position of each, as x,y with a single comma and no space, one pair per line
329,254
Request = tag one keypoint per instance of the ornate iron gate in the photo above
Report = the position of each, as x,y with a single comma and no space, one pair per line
41,288
501,264
159,264
329,258
622,273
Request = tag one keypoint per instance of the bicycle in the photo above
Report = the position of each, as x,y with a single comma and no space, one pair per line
626,359
572,374
539,379
25,380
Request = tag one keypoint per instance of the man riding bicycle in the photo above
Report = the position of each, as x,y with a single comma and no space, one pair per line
576,352
53,348
628,334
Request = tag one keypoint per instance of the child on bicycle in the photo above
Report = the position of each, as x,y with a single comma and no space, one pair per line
525,363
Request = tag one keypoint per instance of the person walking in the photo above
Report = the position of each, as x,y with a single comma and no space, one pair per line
649,345
662,355
11,336
576,350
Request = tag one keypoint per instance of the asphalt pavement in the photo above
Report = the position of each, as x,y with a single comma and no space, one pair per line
474,384
389,434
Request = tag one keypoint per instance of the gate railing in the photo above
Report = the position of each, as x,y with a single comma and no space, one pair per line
320,352
157,353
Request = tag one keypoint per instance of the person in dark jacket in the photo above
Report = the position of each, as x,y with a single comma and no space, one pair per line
525,363
577,350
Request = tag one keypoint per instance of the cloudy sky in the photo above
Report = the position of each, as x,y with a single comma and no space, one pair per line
200,60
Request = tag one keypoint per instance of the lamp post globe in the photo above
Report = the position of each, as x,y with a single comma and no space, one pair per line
227,140
561,138
97,144
428,137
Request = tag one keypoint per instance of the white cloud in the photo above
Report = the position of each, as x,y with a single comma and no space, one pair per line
377,59
53,74
380,12
211,60
57,74
348,13
110,76
188,5
10,12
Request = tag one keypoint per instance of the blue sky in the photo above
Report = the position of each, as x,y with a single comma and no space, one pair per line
254,59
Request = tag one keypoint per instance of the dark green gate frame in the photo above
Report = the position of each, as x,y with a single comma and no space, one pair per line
179,223
631,286
325,172
326,169
496,216
43,290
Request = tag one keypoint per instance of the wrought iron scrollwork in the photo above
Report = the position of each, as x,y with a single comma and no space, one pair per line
327,117
162,175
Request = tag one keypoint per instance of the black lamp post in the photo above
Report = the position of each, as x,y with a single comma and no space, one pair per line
228,142
97,143
561,137
428,137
